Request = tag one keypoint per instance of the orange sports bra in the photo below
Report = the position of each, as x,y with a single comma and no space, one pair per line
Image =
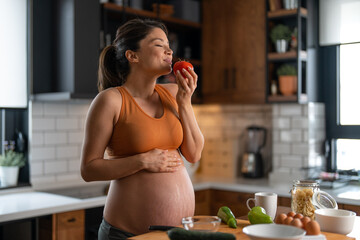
136,132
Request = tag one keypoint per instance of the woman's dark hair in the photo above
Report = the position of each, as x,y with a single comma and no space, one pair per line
113,65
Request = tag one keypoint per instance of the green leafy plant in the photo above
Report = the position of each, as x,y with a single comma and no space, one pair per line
286,70
280,31
12,158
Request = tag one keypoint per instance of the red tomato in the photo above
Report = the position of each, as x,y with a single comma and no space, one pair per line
179,65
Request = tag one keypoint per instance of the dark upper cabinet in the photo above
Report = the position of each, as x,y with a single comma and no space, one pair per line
65,49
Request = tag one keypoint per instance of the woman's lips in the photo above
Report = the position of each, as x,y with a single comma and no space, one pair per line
168,60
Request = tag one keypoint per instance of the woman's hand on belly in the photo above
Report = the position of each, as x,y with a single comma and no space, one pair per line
158,161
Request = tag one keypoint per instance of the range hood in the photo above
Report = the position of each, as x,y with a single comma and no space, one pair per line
62,96
66,47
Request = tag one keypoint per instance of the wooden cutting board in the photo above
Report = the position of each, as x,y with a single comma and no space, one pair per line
161,235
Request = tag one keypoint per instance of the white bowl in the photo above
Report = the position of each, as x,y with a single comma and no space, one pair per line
335,220
273,231
202,223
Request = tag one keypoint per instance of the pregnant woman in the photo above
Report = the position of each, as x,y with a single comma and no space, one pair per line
143,126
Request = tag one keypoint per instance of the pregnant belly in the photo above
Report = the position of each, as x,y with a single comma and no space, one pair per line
143,199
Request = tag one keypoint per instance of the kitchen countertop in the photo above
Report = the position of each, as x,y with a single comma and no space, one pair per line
349,194
28,203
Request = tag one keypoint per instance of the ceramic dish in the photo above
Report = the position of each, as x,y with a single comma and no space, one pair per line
273,231
202,223
335,220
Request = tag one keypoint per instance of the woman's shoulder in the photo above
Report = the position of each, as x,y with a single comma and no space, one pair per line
171,87
108,97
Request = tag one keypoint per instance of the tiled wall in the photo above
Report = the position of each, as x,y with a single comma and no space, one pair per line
295,134
224,128
55,145
298,138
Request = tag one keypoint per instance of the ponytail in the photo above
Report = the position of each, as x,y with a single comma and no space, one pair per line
108,74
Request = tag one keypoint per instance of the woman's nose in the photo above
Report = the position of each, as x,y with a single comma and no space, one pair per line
169,51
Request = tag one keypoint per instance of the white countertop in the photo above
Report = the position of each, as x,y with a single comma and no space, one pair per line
28,203
349,194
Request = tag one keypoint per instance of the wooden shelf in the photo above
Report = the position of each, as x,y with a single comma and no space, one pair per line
281,98
149,14
287,13
293,98
287,55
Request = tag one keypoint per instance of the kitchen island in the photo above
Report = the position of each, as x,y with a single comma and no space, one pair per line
161,235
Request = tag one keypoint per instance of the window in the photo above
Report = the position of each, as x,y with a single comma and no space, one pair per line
342,98
339,57
349,84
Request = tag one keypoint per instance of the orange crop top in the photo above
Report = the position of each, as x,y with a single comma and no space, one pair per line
137,132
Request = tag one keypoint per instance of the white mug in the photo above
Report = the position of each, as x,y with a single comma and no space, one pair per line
268,201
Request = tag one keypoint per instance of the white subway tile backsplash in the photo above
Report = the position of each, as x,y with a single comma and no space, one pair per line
82,122
55,109
44,179
78,109
291,136
37,109
36,168
67,123
53,167
281,148
291,161
43,124
57,136
290,110
37,139
67,152
76,137
42,153
299,122
68,177
300,149
74,165
281,123
53,138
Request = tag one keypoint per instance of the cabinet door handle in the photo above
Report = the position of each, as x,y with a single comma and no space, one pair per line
226,78
233,77
71,220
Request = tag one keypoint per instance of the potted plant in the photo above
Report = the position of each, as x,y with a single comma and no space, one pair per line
10,163
280,35
287,79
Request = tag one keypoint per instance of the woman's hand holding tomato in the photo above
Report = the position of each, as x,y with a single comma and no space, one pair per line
186,79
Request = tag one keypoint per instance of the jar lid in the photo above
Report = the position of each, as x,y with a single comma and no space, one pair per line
322,199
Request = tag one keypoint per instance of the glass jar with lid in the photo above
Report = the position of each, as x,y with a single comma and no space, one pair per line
306,197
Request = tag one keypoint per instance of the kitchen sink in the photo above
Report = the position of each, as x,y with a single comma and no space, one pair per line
82,192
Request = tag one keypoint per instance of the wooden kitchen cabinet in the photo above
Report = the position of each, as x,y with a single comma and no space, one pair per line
202,202
236,201
63,226
233,52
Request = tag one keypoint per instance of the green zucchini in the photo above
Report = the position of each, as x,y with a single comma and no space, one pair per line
182,234
226,215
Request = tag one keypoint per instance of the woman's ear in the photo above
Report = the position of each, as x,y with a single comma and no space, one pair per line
131,56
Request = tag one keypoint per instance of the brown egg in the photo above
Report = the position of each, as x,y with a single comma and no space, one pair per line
280,218
288,220
305,220
291,214
312,228
298,215
296,222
